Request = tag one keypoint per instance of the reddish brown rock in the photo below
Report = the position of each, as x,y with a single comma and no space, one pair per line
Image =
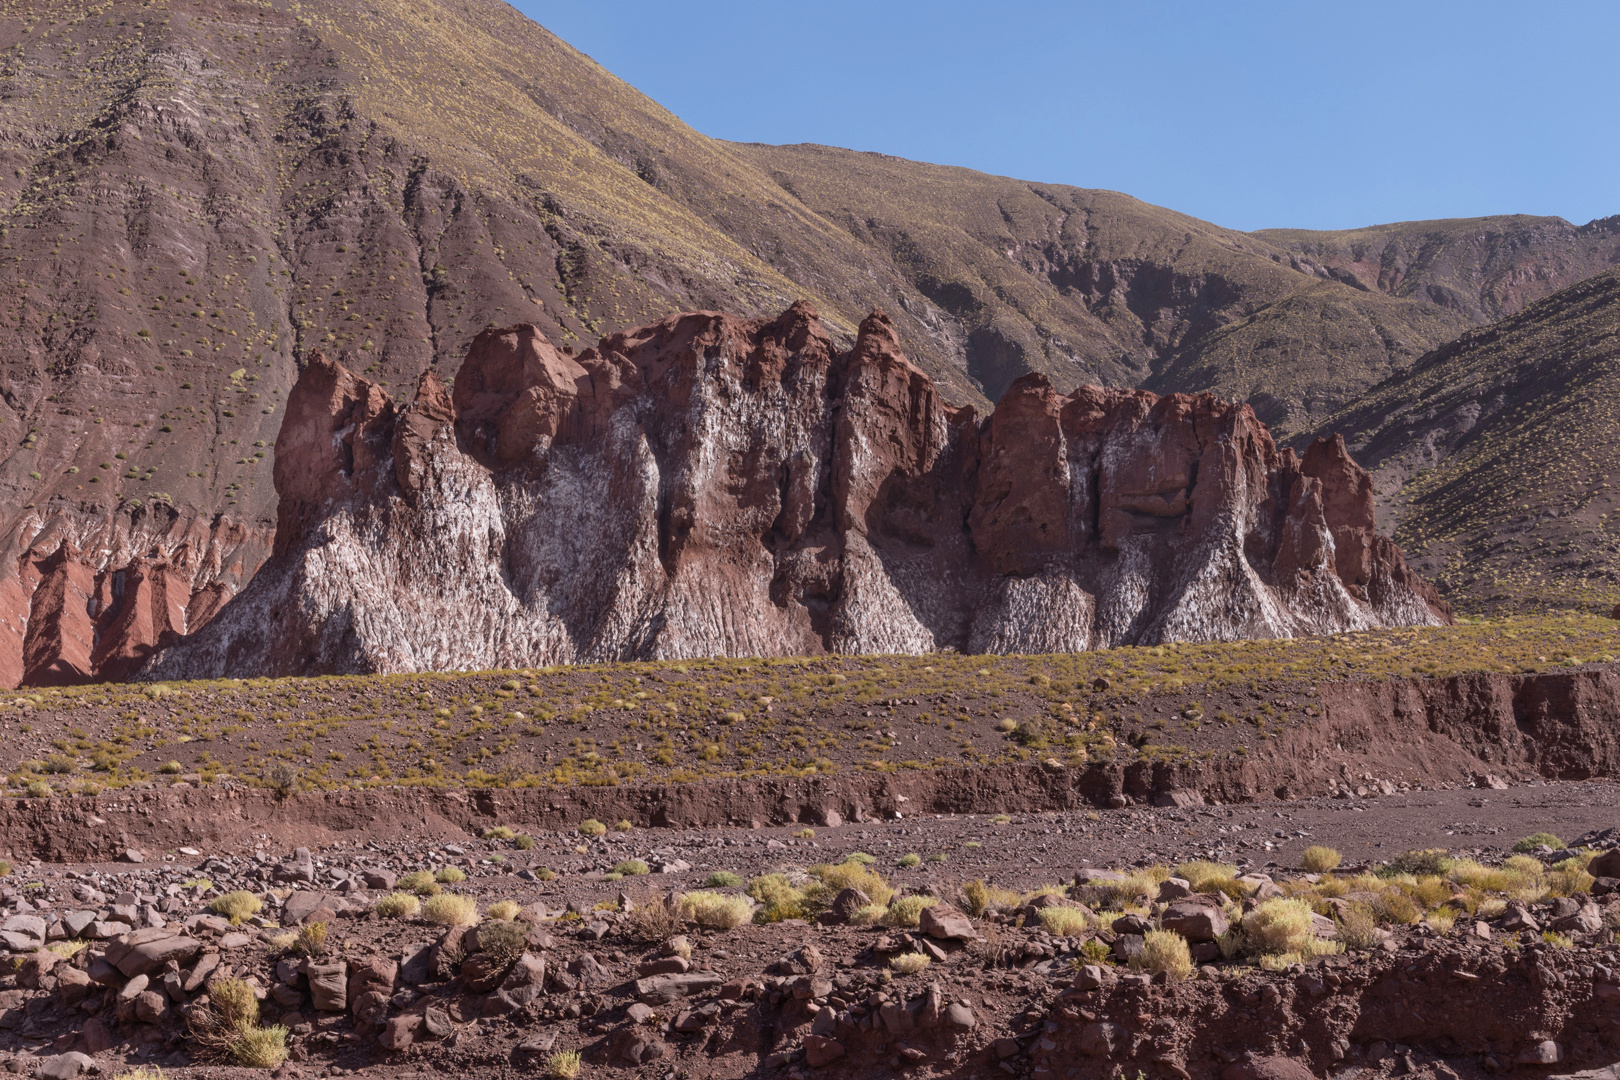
709,486
77,606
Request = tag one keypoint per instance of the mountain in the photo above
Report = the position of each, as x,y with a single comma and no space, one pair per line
1495,456
197,195
705,486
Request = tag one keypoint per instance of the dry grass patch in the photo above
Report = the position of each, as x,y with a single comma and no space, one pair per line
236,906
716,911
448,909
909,963
1162,951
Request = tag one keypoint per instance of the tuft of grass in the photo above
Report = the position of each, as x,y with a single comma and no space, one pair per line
260,1048
860,857
503,940
1357,927
869,915
849,874
1064,921
1205,876
631,868
1320,860
448,909
504,910
909,963
805,834
523,842
978,898
310,940
1001,819
563,1065
1278,926
419,882
1162,951
449,875
623,826
905,911
1540,839
236,906
233,1003
500,832
592,827
908,861
716,911
722,879
399,905
781,899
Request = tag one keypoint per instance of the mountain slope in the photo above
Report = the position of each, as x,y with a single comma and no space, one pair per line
1097,286
1497,457
196,194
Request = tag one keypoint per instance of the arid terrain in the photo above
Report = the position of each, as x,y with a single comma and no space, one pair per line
1068,865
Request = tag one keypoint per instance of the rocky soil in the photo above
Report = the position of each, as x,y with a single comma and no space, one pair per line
602,968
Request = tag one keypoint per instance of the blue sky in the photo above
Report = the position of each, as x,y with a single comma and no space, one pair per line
1250,114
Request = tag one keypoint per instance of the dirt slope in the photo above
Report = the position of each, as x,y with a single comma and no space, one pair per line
1495,455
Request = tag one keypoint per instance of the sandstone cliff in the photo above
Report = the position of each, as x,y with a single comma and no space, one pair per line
711,486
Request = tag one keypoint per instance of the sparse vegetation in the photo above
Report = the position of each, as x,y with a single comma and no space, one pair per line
1162,951
419,882
722,879
504,910
310,941
592,827
1320,860
1538,840
448,909
909,963
563,1065
236,906
399,905
716,911
904,911
1064,921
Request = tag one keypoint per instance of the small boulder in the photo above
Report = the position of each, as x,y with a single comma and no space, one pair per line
328,986
820,1051
663,989
1606,865
944,923
1268,1068
847,903
64,1066
147,951
1194,921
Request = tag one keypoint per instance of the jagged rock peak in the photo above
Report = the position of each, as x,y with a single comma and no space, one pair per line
707,485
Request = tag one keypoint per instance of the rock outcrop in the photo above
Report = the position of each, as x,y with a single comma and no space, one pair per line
710,486
84,598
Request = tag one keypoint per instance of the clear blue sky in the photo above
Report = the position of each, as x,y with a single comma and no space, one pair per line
1309,113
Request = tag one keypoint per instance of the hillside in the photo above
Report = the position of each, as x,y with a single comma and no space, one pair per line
1495,457
197,194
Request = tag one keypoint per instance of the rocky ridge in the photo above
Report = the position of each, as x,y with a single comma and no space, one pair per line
713,486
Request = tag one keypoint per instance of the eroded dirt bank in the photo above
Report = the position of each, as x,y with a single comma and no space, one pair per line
1373,737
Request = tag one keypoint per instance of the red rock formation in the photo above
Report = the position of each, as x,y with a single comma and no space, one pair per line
709,486
79,604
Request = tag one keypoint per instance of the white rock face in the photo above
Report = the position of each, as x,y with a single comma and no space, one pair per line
708,487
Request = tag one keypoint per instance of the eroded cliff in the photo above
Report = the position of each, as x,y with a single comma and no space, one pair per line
712,486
